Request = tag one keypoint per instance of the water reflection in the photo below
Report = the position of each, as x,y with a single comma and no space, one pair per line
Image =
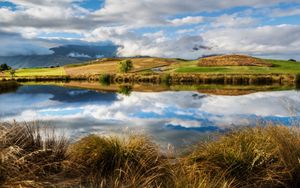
169,117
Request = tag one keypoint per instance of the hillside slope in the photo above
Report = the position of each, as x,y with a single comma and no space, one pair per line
233,60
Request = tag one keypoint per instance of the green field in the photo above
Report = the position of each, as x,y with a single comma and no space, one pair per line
59,71
284,67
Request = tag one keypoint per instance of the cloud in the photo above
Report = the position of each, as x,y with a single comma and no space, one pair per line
187,20
285,12
119,20
14,44
76,54
260,41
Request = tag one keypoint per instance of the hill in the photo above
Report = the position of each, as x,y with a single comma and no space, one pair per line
109,65
233,60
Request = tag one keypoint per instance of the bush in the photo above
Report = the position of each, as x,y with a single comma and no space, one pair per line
125,66
293,60
166,79
4,67
105,79
125,90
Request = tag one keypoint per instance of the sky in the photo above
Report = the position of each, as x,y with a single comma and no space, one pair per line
164,28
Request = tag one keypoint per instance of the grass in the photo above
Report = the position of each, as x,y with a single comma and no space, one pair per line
59,71
247,157
166,65
279,67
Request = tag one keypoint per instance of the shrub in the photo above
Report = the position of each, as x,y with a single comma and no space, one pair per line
125,90
166,79
104,79
4,67
293,60
125,66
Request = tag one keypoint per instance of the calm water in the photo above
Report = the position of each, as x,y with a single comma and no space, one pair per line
177,118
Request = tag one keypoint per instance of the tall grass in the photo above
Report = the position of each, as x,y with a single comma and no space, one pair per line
32,156
112,162
27,155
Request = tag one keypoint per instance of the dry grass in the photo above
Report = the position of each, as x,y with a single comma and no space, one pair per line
27,156
233,60
252,157
110,66
249,157
112,162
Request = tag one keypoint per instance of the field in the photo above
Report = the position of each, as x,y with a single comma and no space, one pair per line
159,65
279,67
111,66
59,71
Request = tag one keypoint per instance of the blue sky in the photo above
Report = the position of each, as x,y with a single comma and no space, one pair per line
169,28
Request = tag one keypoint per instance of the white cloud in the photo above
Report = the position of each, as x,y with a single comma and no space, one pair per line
285,12
76,54
264,40
187,20
233,21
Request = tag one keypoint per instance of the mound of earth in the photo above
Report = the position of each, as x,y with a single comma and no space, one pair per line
233,60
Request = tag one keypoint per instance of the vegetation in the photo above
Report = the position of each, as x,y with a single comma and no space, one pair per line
32,72
125,66
279,67
105,79
8,86
247,157
4,67
125,90
233,60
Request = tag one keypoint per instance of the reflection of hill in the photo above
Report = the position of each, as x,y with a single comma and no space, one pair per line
63,94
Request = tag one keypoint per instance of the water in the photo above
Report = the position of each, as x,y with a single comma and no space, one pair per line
179,118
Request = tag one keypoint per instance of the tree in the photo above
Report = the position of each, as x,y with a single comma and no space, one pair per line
125,66
4,67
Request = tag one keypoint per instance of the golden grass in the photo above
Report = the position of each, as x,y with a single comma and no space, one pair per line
233,60
247,157
110,66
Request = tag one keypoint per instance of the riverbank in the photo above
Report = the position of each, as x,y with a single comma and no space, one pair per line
174,78
247,157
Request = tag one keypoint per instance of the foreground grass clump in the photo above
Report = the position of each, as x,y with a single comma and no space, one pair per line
251,157
248,157
113,162
26,157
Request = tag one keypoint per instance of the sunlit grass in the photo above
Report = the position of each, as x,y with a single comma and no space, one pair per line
246,157
280,67
58,71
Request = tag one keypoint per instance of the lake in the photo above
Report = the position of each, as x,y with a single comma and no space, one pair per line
179,118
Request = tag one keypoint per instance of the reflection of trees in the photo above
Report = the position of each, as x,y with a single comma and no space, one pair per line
8,86
125,90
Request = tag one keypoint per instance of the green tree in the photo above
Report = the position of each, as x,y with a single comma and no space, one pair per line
4,67
125,66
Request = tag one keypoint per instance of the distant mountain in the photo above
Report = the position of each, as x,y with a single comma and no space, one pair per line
62,55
